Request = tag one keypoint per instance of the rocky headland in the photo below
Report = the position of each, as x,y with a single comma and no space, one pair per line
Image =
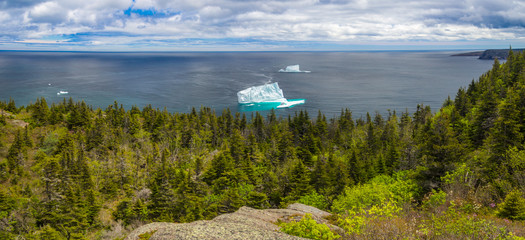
489,54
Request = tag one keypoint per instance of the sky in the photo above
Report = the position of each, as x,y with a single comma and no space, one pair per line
260,25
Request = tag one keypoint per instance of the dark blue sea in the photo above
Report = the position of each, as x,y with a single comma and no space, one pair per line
360,81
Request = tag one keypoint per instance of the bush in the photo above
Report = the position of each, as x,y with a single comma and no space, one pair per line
381,189
314,199
455,225
513,207
308,228
436,199
356,219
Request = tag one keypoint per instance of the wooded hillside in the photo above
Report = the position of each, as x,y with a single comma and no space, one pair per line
75,172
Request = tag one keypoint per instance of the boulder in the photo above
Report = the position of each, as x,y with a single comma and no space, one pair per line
245,223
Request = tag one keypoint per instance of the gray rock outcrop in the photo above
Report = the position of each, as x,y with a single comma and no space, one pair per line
245,223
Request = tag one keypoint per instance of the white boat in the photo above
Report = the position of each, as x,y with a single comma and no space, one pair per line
62,92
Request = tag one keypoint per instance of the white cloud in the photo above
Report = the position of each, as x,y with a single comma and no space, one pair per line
213,12
291,20
47,12
4,16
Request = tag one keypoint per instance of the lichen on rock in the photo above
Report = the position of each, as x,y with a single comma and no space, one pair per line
245,223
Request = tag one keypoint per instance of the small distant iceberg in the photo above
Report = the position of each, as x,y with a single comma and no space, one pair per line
265,97
293,69
62,93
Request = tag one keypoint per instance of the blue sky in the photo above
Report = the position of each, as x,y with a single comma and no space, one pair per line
260,25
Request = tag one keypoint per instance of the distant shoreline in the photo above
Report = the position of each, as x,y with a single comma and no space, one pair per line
489,54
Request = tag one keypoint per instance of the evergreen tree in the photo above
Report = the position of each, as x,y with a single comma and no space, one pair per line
513,207
221,166
299,181
49,233
162,199
40,111
356,169
11,106
3,120
230,201
15,154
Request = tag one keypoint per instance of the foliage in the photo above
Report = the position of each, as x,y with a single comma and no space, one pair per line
379,190
314,199
513,207
75,171
307,227
357,218
453,224
49,233
436,199
146,236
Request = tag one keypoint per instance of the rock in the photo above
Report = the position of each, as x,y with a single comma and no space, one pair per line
245,223
148,228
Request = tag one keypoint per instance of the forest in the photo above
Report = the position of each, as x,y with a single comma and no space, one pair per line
70,171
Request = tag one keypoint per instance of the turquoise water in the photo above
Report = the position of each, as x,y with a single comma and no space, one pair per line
361,81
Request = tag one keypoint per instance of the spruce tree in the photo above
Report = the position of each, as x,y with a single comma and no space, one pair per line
300,181
15,154
11,106
513,207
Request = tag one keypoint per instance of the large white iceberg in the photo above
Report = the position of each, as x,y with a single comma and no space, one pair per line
266,94
293,69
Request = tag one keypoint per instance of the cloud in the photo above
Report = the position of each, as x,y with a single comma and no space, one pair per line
47,12
147,22
5,4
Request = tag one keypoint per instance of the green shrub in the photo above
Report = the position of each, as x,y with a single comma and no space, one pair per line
381,189
436,199
314,199
455,225
513,207
308,228
356,219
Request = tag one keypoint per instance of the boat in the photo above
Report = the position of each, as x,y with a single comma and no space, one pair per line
62,92
265,97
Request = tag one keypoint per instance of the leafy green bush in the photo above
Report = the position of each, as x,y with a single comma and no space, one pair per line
308,228
314,199
356,219
452,224
381,189
437,198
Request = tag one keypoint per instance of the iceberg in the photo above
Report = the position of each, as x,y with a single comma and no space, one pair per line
266,96
291,103
264,93
293,69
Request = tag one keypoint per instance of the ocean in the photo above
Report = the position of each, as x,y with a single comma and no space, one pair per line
178,81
